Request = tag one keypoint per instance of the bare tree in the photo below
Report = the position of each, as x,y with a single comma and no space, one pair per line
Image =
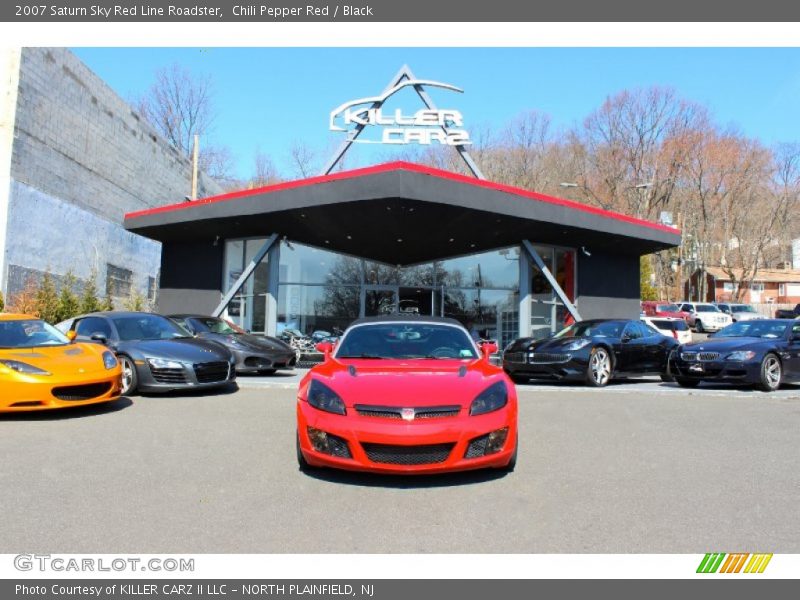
179,105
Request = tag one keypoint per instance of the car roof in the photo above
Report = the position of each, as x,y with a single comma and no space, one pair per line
403,318
17,317
190,316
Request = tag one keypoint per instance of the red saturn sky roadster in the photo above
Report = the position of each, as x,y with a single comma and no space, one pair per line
406,394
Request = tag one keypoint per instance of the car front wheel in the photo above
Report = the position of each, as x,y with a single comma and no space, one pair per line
699,326
598,372
771,373
129,377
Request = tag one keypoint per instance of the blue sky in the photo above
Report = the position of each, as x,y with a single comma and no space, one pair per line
271,98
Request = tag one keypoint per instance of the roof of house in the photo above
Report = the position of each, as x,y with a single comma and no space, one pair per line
762,275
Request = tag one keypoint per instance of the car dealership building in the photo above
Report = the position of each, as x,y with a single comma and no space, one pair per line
317,253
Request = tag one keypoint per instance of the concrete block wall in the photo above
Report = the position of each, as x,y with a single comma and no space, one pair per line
81,158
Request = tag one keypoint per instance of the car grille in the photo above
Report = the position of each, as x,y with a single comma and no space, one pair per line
408,455
547,357
394,412
212,371
81,392
168,375
518,357
704,356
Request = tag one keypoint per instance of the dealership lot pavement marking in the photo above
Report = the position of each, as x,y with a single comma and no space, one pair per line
599,471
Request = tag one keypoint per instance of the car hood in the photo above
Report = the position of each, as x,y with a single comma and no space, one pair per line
63,360
189,349
409,383
558,344
726,344
251,342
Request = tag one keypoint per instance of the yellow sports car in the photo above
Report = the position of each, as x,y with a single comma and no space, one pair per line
40,368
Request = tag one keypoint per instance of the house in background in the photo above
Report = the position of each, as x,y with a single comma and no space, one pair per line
778,286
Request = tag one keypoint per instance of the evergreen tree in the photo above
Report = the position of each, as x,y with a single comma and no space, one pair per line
89,302
106,303
2,302
47,299
68,301
648,290
136,302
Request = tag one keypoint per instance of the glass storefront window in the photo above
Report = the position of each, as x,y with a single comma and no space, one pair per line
311,308
306,264
495,269
493,314
548,314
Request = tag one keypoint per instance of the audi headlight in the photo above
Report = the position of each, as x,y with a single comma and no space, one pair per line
577,344
741,355
163,363
109,360
492,398
21,367
324,398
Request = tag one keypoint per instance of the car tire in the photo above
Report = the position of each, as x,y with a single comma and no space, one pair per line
267,372
698,326
130,378
512,463
770,373
519,379
600,369
667,378
687,383
302,463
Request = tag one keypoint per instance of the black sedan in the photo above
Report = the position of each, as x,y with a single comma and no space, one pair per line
592,351
156,354
764,353
253,354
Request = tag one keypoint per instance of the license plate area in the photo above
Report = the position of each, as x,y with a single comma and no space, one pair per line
697,368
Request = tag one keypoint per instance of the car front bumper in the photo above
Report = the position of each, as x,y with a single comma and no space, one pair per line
389,441
565,367
28,393
727,371
253,361
186,378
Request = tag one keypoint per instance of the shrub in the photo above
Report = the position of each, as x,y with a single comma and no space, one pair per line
89,302
68,302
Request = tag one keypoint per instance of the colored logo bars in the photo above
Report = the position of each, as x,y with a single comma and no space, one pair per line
718,563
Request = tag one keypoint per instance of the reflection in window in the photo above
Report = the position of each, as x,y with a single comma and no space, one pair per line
305,264
310,308
495,269
494,314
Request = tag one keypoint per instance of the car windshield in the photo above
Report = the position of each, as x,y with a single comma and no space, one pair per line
29,333
668,308
406,340
742,308
706,308
148,327
759,329
610,329
215,326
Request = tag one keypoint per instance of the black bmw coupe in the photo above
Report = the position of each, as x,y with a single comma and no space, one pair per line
593,351
764,353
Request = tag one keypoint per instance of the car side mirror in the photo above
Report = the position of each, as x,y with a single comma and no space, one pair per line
488,348
71,335
325,347
99,338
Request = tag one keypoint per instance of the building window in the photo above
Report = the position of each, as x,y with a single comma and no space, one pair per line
118,281
781,289
152,289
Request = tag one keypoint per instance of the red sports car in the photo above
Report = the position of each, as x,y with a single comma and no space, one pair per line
407,394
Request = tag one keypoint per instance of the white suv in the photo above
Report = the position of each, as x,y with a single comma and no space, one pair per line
739,312
705,316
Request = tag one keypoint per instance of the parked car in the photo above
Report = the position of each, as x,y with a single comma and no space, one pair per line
406,394
764,353
156,354
253,353
652,308
739,312
788,314
594,351
704,316
670,326
40,368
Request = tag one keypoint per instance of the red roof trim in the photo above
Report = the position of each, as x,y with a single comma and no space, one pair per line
406,166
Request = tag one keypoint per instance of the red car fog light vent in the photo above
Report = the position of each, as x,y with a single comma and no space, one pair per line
328,443
491,443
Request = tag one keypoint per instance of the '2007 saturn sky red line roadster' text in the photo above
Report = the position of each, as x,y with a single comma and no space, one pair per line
407,394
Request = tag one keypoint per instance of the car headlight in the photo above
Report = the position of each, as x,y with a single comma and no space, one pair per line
324,398
109,360
492,398
577,344
21,367
163,363
741,355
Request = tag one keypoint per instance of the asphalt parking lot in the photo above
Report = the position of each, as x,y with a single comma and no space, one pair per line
638,467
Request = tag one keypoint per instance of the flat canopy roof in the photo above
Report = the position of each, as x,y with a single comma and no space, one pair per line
401,213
